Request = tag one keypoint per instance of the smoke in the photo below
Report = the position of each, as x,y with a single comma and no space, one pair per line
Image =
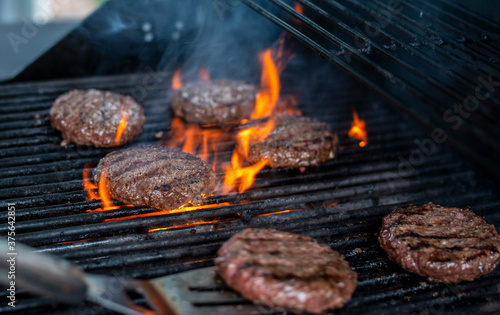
222,35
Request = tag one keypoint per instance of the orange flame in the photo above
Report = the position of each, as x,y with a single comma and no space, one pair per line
107,201
269,92
87,185
184,225
255,135
299,7
288,104
103,194
278,212
172,211
358,129
203,74
195,139
200,140
265,103
245,174
121,126
176,80
331,204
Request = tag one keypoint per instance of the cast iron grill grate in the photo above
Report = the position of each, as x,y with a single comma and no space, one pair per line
434,60
340,202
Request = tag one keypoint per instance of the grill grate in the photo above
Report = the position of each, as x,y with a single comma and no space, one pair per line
434,54
340,202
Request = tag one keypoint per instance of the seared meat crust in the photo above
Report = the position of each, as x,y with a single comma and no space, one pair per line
444,244
295,141
156,176
91,117
281,269
218,102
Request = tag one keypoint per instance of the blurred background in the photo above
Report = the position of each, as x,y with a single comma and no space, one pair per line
46,11
28,28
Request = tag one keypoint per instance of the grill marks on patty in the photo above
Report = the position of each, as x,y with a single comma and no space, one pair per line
156,176
91,117
441,243
217,102
286,270
294,142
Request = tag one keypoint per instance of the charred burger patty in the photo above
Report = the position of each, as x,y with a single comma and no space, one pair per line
281,269
92,117
294,142
156,176
216,102
443,244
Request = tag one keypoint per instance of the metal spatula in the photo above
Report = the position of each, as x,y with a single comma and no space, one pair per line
194,292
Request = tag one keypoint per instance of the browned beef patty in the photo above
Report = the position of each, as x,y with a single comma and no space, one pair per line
91,117
295,141
281,269
217,102
441,243
156,176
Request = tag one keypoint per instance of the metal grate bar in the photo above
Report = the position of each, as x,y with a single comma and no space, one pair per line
340,203
476,133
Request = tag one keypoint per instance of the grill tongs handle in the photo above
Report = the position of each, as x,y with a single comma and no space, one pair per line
60,280
41,273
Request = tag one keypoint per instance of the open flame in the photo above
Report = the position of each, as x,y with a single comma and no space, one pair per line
103,192
265,103
246,174
206,141
192,138
269,91
358,129
176,80
298,7
121,126
191,224
88,185
107,201
203,74
172,211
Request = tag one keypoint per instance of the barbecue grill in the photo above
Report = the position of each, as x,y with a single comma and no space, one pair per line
422,59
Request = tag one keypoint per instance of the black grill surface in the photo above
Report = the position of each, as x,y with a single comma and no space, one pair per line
429,58
340,203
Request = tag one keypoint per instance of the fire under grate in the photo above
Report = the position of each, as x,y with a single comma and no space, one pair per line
340,202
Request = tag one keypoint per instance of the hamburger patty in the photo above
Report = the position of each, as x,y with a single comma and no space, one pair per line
441,243
155,176
281,269
91,117
217,102
294,142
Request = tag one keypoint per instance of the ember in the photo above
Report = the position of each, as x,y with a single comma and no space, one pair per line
121,126
358,129
298,7
204,74
176,80
164,212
